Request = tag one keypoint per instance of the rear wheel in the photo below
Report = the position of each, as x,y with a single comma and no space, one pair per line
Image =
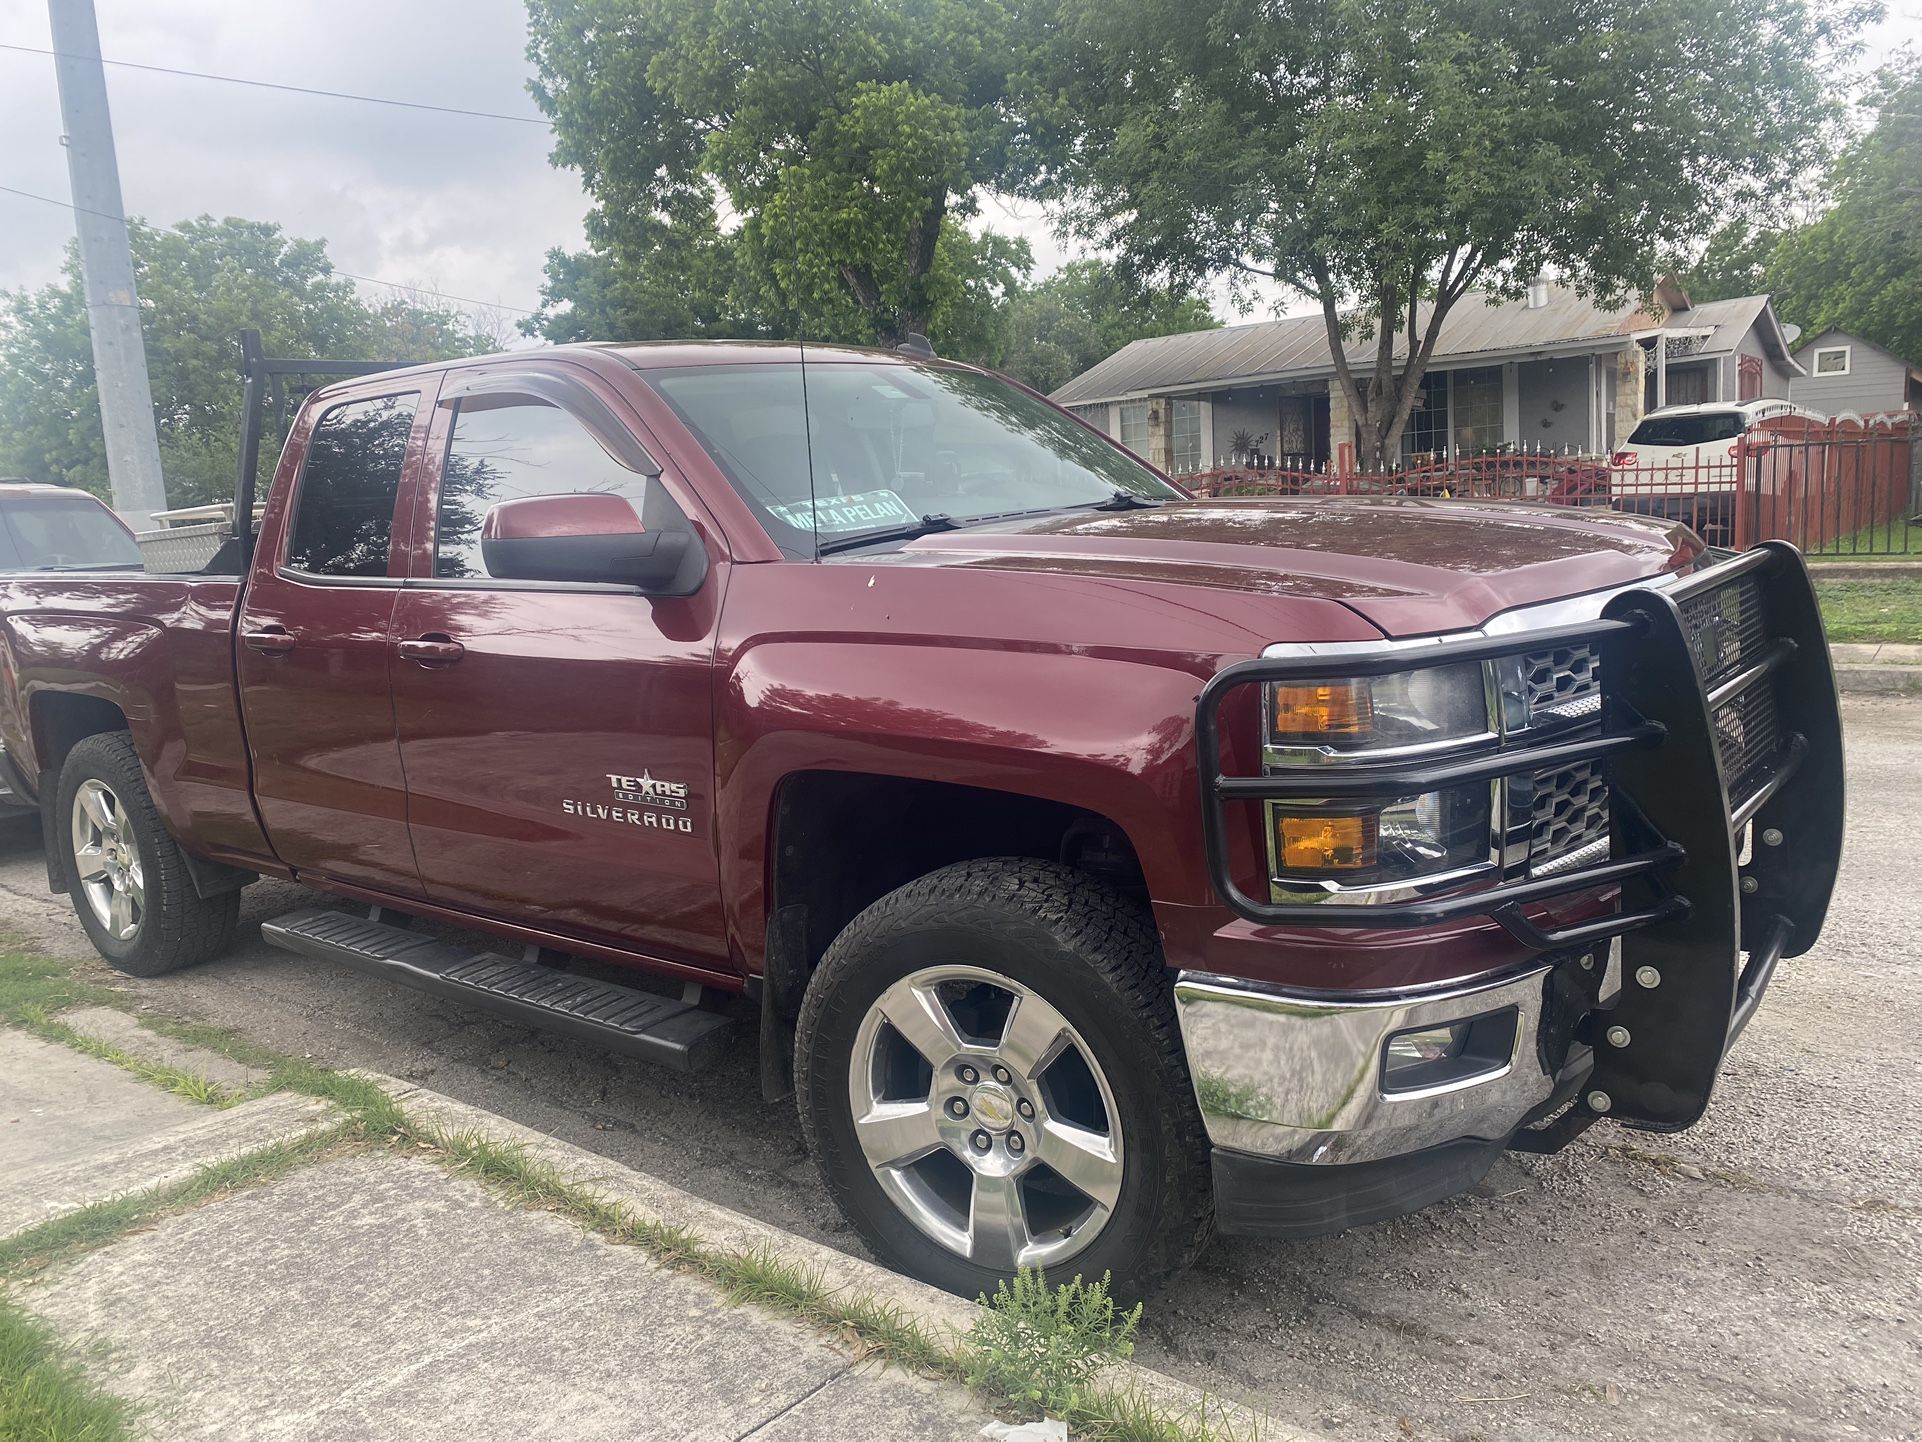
991,1078
128,879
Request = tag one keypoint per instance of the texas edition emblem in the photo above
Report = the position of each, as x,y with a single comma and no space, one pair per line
639,801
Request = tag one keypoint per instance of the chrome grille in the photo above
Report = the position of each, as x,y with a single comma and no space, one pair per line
1561,684
1570,811
1566,811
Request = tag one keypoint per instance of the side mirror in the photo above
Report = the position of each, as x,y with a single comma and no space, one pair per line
591,537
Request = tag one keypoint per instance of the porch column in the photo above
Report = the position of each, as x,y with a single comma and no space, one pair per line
1161,415
1511,405
1595,408
1661,371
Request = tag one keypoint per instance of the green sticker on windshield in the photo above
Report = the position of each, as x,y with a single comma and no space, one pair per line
836,514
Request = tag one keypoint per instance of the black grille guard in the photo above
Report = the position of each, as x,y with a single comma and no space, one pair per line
1676,834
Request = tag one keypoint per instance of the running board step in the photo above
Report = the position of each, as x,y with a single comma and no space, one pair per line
666,1030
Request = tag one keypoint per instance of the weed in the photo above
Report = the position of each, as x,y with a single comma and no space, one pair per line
181,1082
44,1395
1039,1347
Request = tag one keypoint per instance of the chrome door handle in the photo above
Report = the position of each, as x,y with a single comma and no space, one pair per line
432,650
269,641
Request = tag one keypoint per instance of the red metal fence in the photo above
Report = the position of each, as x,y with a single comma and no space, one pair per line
1843,487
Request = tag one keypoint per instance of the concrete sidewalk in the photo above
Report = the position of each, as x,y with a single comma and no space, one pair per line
376,1295
1877,668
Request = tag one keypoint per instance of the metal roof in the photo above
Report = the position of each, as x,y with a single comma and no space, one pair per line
1297,348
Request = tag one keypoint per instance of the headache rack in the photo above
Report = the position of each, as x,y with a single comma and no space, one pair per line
1715,745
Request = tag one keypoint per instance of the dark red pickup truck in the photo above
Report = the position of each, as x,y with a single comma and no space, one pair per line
1111,866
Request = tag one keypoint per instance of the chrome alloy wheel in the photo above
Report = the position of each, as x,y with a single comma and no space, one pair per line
106,860
985,1117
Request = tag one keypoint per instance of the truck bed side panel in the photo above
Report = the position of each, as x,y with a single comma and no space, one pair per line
160,648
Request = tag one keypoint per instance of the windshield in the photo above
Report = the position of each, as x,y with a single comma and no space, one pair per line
1687,430
891,445
54,533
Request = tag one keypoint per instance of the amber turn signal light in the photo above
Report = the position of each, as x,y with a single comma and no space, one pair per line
1336,711
1325,843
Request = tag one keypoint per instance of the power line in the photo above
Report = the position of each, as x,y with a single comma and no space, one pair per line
333,270
291,89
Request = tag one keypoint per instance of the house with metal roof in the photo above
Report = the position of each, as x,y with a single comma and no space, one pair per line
1553,372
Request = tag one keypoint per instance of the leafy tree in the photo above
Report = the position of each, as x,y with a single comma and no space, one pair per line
844,138
1735,262
1085,312
646,280
1376,154
1859,267
199,286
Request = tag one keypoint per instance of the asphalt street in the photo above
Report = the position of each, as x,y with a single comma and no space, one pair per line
1757,1277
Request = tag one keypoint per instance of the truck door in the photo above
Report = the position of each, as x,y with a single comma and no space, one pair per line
557,738
313,648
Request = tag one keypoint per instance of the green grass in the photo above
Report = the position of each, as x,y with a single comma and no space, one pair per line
44,1394
1893,540
1871,610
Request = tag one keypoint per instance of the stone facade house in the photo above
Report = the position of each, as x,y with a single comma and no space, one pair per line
1552,372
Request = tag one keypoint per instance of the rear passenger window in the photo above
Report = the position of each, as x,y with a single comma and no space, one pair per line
344,517
502,450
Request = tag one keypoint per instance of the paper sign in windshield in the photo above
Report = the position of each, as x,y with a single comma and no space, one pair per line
862,512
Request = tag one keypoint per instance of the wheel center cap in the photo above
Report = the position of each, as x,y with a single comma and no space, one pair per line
994,1106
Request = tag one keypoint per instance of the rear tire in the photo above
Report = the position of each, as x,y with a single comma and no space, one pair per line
126,875
1115,1108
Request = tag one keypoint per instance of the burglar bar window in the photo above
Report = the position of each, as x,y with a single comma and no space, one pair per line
1184,438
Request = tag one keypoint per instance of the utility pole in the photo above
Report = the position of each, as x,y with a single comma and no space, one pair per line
113,312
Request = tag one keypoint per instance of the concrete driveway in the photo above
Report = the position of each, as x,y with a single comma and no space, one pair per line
1758,1277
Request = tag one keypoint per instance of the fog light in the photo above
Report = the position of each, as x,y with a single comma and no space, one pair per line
1448,1054
1412,1048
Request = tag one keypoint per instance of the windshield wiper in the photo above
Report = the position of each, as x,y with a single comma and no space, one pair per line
926,526
1126,501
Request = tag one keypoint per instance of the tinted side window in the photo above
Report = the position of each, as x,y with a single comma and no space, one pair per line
345,516
501,451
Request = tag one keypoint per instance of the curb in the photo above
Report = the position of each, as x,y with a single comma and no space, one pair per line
1879,680
940,1314
1854,570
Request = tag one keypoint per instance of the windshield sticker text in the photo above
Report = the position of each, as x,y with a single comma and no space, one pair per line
861,512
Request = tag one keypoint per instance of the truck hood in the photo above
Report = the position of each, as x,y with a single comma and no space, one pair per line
1411,566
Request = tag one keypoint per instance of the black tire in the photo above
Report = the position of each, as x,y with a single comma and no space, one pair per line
176,927
1093,956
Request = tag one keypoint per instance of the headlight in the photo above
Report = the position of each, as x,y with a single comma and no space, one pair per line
1432,705
1363,844
1375,843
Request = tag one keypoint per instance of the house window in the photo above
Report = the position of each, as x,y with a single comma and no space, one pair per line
1096,416
1185,446
1832,360
1749,377
1427,430
1478,410
1134,427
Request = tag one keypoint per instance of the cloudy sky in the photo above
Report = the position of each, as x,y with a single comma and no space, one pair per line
465,206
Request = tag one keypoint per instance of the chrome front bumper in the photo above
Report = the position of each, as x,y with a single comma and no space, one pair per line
1298,1076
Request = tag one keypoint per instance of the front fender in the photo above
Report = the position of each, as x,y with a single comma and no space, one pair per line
1104,735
